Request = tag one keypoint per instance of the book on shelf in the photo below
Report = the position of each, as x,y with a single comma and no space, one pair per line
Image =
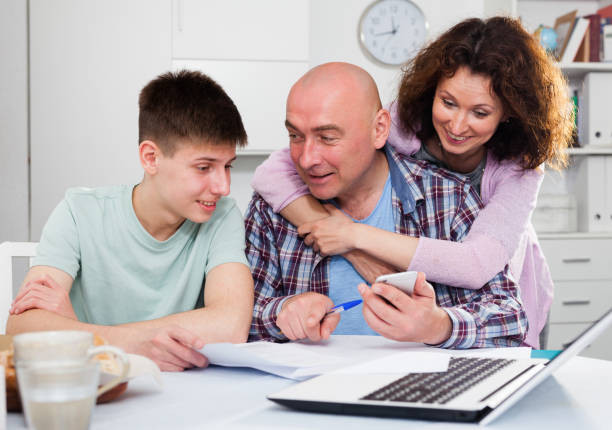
606,33
607,42
605,12
594,36
576,40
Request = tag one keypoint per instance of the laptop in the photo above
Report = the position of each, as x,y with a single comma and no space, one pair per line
473,389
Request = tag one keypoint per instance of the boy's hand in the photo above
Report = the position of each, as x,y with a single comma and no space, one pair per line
172,348
303,316
410,319
43,293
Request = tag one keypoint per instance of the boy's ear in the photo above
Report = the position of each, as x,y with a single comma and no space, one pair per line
149,154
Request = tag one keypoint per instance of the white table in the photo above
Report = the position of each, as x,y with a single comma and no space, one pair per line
577,397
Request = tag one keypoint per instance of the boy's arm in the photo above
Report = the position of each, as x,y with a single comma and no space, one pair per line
170,340
226,317
45,287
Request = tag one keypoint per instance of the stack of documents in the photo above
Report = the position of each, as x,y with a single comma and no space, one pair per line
346,354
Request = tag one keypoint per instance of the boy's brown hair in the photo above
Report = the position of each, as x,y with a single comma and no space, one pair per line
188,105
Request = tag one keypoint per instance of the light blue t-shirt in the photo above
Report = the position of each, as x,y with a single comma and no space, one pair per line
343,279
123,274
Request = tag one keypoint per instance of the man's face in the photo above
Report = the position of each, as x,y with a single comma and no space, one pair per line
331,140
191,181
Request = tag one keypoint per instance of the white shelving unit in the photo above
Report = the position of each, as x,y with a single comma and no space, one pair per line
580,261
578,70
590,150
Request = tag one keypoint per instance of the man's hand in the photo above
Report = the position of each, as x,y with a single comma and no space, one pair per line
409,319
303,316
43,293
329,236
172,348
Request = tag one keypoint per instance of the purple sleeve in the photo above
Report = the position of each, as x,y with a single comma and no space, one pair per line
277,180
510,196
399,139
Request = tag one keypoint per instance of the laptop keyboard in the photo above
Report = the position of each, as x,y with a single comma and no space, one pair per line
439,387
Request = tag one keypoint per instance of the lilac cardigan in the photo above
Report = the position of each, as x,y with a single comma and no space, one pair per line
502,231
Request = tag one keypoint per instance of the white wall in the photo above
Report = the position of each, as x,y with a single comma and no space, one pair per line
333,33
89,60
13,121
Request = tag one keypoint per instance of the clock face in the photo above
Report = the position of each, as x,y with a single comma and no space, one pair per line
392,31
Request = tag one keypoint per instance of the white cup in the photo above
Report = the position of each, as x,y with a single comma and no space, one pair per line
49,348
58,396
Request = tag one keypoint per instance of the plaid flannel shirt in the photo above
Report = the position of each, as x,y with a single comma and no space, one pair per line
427,201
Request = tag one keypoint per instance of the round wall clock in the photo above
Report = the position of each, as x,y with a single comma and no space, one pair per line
392,31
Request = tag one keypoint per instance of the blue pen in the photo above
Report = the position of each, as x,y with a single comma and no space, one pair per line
344,306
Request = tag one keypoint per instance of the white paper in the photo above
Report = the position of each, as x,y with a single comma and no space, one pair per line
289,360
403,363
303,359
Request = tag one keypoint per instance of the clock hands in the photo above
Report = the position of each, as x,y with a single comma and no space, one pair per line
394,29
393,25
385,33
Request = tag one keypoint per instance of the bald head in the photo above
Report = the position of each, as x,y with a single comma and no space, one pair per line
336,128
351,83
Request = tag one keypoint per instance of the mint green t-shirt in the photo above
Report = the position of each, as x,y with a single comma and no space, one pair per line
123,274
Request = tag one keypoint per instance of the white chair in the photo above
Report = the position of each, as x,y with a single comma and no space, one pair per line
8,250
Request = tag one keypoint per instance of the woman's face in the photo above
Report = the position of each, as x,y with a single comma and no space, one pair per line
465,113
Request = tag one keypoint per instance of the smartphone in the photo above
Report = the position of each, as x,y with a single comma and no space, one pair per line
403,280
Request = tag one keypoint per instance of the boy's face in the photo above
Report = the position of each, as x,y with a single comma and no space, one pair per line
191,181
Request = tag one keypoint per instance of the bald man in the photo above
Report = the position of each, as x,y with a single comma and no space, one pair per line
337,141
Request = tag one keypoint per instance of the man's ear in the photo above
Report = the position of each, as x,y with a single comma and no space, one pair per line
149,154
382,125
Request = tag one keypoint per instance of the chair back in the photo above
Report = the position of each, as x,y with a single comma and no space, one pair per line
9,250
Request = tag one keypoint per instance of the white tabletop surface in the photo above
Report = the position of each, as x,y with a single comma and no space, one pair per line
577,397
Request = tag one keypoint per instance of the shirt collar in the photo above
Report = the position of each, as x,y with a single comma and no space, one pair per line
402,179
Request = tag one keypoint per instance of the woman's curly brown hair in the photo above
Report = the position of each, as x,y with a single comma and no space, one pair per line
526,79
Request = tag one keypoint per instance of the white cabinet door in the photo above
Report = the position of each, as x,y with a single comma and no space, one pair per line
13,121
240,30
588,185
608,192
89,61
254,49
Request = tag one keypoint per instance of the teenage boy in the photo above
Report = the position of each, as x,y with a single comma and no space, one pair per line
157,268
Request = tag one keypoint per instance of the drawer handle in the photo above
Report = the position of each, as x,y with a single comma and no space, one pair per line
576,302
577,260
567,344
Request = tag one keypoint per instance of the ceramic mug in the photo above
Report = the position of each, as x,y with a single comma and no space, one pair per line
65,346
